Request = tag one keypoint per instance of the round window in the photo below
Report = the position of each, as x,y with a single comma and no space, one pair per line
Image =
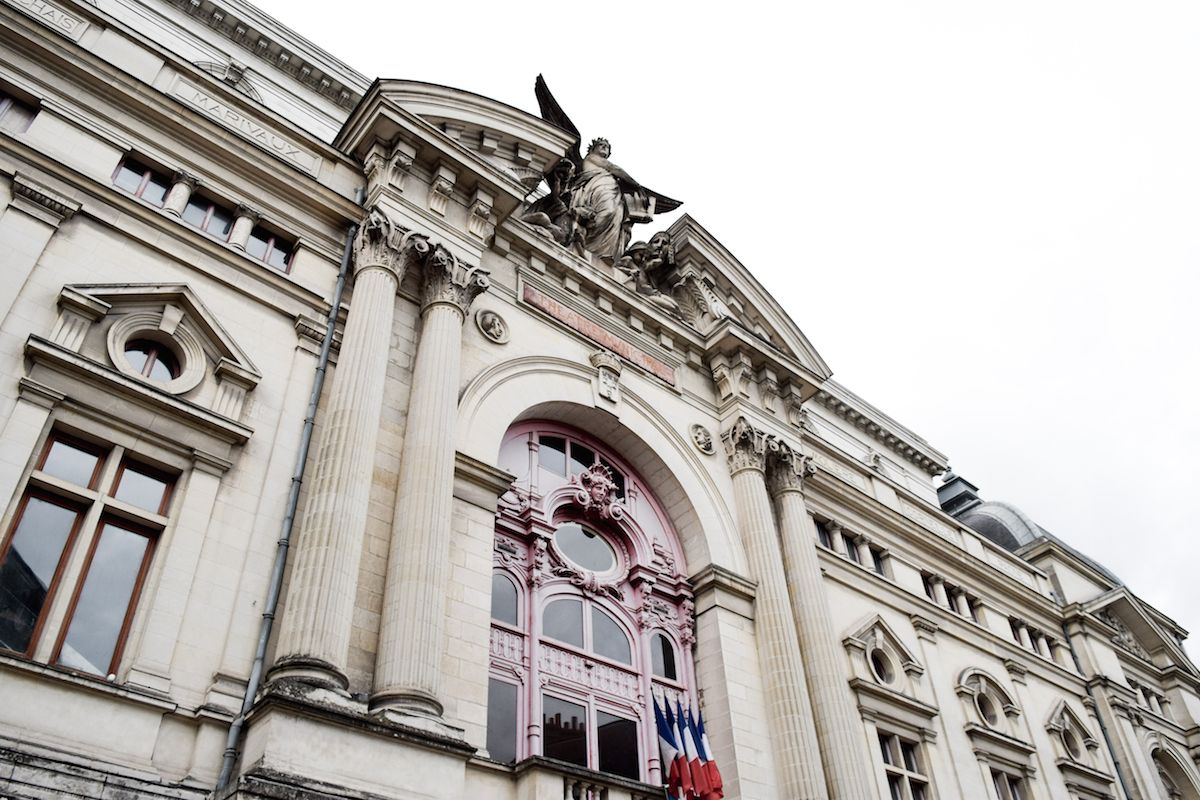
987,709
1071,742
584,547
152,360
881,665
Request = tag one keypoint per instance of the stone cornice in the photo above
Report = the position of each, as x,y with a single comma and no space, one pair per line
882,428
48,205
238,25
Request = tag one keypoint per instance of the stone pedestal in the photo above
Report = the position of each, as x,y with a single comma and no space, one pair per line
408,661
315,634
793,734
848,765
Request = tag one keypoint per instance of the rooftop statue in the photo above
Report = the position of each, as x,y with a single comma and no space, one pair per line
596,207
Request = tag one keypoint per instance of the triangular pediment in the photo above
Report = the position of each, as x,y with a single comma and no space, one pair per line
178,305
1136,632
748,304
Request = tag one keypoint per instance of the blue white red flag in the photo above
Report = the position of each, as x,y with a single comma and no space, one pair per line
670,752
716,786
680,773
695,767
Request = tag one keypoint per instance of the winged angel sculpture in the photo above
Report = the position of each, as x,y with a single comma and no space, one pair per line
592,203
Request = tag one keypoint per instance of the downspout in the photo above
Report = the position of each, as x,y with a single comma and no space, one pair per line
233,740
1112,751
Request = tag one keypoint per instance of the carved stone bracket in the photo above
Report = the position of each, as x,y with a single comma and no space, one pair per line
442,189
448,280
388,166
732,374
49,206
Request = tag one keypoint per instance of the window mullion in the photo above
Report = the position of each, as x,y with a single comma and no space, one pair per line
80,546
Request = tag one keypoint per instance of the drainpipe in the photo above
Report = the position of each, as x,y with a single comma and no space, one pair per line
233,741
1112,751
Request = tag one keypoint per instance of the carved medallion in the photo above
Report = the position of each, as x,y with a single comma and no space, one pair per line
703,439
492,326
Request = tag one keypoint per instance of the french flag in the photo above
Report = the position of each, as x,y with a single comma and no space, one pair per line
695,765
716,787
674,763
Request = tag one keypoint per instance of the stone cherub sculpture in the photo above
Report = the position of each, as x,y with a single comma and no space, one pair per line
595,208
649,267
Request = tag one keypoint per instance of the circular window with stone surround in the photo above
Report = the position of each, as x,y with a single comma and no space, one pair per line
881,666
156,348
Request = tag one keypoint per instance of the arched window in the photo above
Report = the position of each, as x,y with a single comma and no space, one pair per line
591,613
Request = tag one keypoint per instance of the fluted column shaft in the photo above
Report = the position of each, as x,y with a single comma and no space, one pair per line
412,625
315,633
790,717
848,766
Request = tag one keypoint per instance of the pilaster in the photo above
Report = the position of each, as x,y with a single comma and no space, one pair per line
28,222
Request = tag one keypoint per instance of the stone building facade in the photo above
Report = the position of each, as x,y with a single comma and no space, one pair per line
353,445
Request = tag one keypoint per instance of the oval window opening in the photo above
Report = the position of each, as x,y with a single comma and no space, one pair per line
585,548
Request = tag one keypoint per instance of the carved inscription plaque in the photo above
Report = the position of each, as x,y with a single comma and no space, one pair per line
237,121
52,16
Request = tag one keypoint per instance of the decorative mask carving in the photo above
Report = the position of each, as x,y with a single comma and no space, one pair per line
597,494
702,439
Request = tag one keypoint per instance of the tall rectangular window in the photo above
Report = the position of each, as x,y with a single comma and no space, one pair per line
73,480
502,721
564,731
903,765
1008,787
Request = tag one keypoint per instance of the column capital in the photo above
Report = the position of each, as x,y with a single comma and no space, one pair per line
249,212
192,182
381,244
745,447
787,468
448,280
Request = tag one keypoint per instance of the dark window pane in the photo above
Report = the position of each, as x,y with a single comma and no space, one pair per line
564,731
104,601
25,575
504,600
585,547
220,224
137,353
195,212
502,721
563,620
885,748
823,535
161,369
918,791
662,655
617,477
581,458
552,454
129,176
852,551
608,639
141,489
156,190
895,788
70,463
616,739
909,751
278,257
257,245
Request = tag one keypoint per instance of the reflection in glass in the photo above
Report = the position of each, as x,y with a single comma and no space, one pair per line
581,458
104,601
504,599
585,547
563,620
141,489
152,360
608,639
502,721
68,462
28,569
564,731
662,657
552,454
616,739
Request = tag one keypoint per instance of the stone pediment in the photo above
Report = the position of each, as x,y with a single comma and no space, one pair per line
1134,632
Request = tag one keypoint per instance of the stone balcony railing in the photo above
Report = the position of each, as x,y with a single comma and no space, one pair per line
541,778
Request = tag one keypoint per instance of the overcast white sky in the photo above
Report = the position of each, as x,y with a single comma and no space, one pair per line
984,216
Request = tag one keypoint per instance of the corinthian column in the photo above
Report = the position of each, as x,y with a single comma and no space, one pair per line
848,770
790,718
408,661
315,633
